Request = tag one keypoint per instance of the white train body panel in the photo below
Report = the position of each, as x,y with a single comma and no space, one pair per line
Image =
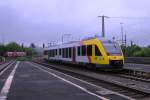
78,59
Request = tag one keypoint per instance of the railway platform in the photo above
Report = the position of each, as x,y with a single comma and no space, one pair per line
30,81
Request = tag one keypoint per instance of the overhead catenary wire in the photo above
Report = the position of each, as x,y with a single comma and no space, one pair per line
131,17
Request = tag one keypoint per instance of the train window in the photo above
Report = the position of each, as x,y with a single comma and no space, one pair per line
55,51
112,48
45,52
59,51
97,51
50,53
84,50
70,52
53,54
89,50
63,53
67,52
79,52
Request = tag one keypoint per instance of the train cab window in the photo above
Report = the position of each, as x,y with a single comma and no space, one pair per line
70,52
79,52
83,50
97,51
89,50
59,51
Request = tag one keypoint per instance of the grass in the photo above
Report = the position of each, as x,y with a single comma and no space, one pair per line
28,58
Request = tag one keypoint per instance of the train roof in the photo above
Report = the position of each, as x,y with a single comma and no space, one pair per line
63,45
75,43
96,37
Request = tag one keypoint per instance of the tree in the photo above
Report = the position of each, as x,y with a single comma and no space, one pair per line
30,51
13,47
2,50
130,50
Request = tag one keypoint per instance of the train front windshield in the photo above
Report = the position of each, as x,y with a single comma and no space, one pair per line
112,48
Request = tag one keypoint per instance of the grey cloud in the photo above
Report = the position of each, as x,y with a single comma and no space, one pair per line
43,21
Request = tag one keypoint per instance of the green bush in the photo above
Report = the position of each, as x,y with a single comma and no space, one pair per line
28,58
136,51
12,47
2,59
140,53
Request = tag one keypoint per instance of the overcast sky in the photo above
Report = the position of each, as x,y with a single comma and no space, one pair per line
42,21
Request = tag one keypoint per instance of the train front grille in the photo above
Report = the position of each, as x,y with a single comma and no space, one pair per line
116,62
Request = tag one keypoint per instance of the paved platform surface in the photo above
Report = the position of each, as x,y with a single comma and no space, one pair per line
138,67
30,82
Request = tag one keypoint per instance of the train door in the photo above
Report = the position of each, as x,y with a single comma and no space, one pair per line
74,55
98,58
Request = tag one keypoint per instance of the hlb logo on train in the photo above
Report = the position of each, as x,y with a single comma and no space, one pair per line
98,58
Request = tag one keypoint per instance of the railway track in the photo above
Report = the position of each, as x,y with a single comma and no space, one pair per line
138,75
5,65
125,73
129,91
